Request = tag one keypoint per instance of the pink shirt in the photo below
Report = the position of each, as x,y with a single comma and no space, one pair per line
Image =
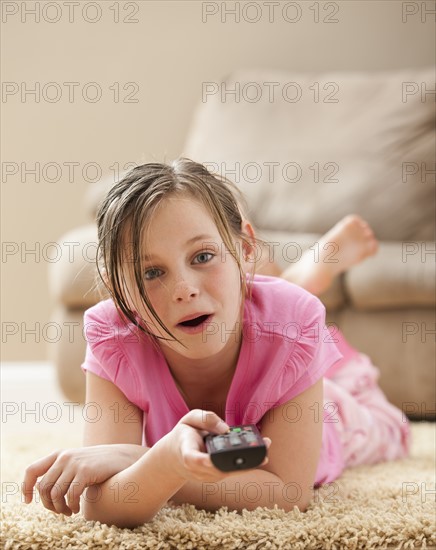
285,349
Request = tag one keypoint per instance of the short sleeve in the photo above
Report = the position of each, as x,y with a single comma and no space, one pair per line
93,365
104,333
313,353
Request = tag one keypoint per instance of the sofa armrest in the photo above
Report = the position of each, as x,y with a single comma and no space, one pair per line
72,279
400,275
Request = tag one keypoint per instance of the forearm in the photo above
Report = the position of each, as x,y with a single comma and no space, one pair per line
134,495
247,490
133,451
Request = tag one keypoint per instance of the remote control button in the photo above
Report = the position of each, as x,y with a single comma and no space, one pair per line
234,440
219,444
239,460
249,437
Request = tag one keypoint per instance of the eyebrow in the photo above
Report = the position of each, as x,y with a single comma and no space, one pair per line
147,258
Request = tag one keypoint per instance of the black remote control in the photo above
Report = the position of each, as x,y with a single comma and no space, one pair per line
239,449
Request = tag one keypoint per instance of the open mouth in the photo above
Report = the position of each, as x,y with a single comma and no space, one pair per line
194,322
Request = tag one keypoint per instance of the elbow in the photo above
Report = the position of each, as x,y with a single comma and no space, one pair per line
302,505
92,505
90,514
95,510
296,495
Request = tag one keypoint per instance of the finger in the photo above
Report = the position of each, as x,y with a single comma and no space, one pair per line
195,461
190,451
35,470
48,487
73,495
201,468
205,420
58,494
68,502
200,464
267,441
44,498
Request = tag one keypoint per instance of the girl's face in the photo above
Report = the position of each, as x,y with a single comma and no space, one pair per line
191,279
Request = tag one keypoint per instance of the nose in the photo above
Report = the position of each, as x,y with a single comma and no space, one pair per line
184,292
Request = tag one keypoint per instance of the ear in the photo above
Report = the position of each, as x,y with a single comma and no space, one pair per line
104,276
248,248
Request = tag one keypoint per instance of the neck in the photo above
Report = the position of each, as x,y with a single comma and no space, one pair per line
196,377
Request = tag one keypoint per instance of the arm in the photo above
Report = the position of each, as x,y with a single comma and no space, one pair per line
288,477
134,495
124,484
120,420
112,444
120,424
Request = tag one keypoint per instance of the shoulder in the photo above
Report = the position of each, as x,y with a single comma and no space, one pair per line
105,321
291,344
102,312
275,298
107,331
116,349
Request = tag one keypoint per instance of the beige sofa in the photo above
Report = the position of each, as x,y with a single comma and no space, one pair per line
307,149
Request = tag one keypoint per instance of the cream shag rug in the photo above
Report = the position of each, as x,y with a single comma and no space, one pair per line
389,505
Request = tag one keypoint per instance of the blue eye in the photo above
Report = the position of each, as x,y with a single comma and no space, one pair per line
151,274
204,257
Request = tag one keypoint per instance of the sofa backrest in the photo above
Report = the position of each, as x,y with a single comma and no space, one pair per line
307,149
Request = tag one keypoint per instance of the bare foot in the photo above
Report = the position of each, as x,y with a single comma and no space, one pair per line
348,243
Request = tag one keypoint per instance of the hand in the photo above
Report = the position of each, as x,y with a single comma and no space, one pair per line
68,472
185,449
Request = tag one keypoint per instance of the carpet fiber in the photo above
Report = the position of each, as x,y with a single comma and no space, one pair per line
389,505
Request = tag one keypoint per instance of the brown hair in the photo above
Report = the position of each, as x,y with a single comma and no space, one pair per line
129,207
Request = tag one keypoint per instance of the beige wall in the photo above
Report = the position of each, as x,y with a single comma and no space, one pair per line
169,53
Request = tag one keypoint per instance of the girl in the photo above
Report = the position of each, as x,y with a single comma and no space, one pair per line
192,342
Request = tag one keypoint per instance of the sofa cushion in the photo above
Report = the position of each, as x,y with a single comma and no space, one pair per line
401,345
400,275
310,148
